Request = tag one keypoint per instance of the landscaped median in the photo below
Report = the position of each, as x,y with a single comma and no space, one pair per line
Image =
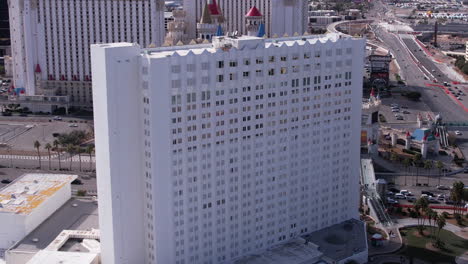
422,246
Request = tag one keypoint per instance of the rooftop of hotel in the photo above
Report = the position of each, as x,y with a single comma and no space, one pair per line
221,44
76,214
340,241
30,190
296,251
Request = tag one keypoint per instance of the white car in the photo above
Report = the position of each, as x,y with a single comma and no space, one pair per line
73,125
400,196
458,133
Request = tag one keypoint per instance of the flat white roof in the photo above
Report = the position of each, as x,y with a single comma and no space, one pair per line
198,49
295,251
62,257
30,190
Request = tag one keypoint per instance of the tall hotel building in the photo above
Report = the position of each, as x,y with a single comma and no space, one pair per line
51,40
280,16
207,153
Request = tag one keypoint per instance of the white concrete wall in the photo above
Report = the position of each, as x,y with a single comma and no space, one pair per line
274,186
47,208
18,257
12,229
117,102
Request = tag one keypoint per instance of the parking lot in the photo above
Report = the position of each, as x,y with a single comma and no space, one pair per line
21,135
406,109
417,184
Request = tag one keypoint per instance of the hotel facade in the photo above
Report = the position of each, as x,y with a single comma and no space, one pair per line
208,153
280,16
51,40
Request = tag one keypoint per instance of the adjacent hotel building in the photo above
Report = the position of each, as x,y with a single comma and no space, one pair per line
207,153
280,16
51,40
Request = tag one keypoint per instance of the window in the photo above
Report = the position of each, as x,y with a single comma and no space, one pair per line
271,59
233,64
220,64
175,68
220,78
259,60
271,72
284,70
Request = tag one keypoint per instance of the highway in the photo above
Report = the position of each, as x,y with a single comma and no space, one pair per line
414,74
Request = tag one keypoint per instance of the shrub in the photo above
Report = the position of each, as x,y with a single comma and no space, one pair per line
399,210
409,151
459,218
81,193
445,215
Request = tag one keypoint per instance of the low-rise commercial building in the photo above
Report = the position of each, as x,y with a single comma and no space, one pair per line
28,201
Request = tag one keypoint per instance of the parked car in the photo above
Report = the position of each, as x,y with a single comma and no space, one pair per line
73,125
393,189
400,118
442,187
458,133
427,193
404,192
6,181
399,196
448,201
406,112
57,118
410,198
391,201
395,110
77,182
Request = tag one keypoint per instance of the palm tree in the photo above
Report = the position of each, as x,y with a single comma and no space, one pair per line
71,151
421,205
89,151
79,150
37,145
56,146
440,224
439,166
48,146
406,163
416,160
456,194
428,166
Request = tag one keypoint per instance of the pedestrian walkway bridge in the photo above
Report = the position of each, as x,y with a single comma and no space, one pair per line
368,182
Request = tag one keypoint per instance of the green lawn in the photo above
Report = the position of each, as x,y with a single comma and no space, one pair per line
415,246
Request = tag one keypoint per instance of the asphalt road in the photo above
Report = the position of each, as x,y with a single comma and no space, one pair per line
434,97
449,27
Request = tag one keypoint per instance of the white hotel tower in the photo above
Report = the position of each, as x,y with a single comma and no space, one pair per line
51,40
207,153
